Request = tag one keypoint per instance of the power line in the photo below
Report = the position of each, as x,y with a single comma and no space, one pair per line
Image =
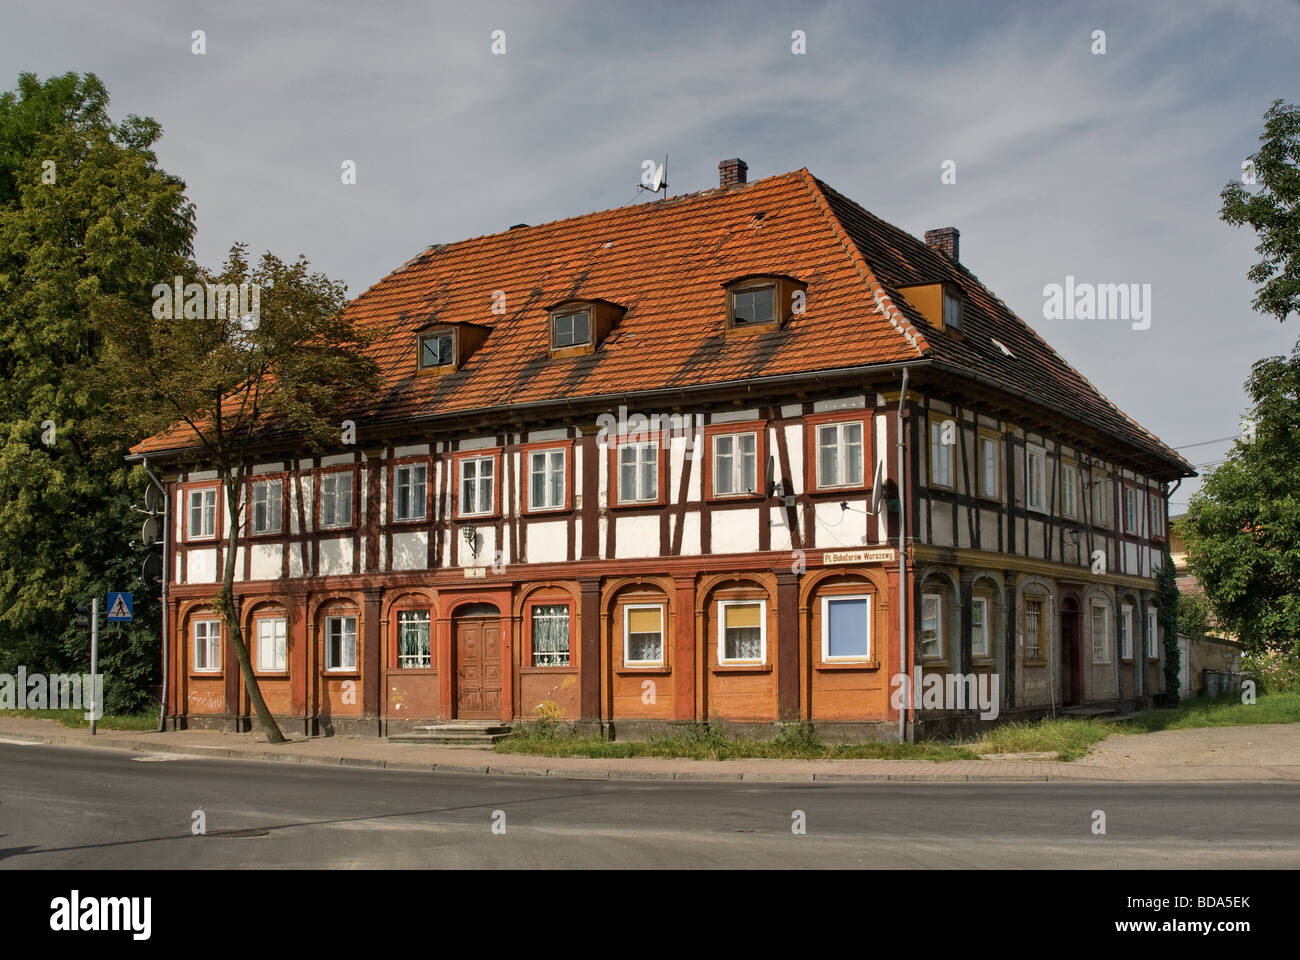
1205,443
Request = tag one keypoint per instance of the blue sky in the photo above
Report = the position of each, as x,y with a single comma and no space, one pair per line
1104,167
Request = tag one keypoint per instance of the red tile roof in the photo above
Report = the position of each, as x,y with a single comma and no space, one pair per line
665,262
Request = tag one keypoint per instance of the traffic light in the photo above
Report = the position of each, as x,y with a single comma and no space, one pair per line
83,616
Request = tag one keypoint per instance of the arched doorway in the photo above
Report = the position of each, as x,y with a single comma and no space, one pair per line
1071,648
476,650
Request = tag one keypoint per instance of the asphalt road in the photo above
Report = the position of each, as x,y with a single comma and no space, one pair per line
64,807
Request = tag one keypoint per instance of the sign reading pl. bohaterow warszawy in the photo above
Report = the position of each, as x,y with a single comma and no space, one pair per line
858,556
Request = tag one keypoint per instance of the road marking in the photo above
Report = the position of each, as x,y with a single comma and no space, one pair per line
165,757
19,743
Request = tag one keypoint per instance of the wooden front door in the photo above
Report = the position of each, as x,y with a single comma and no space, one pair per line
478,669
1071,661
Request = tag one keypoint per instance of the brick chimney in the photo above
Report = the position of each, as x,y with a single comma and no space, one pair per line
732,172
945,241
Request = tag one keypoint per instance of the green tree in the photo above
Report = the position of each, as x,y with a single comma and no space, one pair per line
1273,211
1167,613
1194,614
1243,526
86,215
226,383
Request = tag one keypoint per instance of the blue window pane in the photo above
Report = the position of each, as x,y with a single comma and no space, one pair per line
847,628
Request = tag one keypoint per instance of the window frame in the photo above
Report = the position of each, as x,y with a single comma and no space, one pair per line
1095,608
984,435
1155,514
722,606
211,647
1126,631
940,601
217,532
251,494
749,288
1153,634
950,293
526,452
1098,478
1134,531
813,425
1069,467
712,433
1040,653
826,601
458,480
570,651
319,495
342,668
1032,450
408,463
615,477
258,620
412,606
936,422
663,634
985,605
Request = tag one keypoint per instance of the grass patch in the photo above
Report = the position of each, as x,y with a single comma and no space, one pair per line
1070,737
707,742
1225,711
77,718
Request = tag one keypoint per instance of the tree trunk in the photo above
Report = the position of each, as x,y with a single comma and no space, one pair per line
226,602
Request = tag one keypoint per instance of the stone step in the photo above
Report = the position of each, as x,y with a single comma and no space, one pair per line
458,733
465,726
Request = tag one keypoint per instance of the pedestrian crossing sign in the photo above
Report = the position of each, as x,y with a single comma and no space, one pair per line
119,607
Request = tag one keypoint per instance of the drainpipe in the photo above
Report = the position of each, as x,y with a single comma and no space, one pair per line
902,572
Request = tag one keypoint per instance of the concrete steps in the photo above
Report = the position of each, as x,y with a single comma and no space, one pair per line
481,734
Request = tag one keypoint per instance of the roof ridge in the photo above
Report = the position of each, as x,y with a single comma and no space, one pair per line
883,301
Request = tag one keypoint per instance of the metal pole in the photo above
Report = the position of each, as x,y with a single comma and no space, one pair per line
94,658
902,572
166,501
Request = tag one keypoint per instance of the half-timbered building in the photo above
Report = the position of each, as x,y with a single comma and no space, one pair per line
641,467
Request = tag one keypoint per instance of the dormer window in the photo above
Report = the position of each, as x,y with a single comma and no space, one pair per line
571,329
762,303
578,327
951,309
939,302
438,350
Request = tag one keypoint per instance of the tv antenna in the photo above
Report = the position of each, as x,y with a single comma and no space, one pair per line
658,182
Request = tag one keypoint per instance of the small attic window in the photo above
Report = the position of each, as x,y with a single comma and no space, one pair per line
754,305
951,309
570,329
1003,347
438,350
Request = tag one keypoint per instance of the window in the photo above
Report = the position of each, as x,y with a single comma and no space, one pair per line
409,493
551,636
1099,511
546,480
1033,629
1035,474
203,513
267,497
951,310
1126,632
735,464
272,645
638,472
979,628
941,453
1100,651
643,634
1069,490
846,629
571,330
839,454
336,499
413,650
437,350
931,626
1156,507
742,635
1130,510
477,486
207,646
340,643
754,306
989,486
1153,635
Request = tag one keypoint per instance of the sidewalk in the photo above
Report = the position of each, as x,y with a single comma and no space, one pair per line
379,753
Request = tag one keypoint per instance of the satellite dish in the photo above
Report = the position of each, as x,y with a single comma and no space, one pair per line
658,179
151,497
151,570
878,487
149,531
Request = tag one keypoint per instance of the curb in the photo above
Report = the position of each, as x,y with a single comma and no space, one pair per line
502,770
